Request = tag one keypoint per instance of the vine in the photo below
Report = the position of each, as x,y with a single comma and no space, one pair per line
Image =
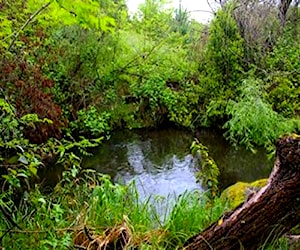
209,173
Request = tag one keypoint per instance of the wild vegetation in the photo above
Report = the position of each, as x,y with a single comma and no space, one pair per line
73,71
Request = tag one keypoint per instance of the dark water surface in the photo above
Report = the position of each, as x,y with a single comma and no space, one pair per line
161,164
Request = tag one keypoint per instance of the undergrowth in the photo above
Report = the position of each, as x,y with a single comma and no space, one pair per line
90,202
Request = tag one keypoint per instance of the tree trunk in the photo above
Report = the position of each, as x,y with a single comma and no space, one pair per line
269,213
283,9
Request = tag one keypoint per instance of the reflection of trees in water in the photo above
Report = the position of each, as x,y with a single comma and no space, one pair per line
167,143
243,165
235,164
157,149
109,158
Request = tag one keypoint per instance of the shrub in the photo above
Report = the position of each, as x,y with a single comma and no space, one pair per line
92,122
253,121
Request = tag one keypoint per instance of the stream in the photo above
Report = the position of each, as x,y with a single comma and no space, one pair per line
160,163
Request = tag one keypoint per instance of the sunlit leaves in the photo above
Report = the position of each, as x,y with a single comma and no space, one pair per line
154,19
5,31
86,13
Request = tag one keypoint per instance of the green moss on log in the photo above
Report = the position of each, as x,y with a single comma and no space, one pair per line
238,192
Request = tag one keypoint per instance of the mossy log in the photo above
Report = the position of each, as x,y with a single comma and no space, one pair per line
269,213
237,193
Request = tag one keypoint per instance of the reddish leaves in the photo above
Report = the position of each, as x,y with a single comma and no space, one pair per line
24,83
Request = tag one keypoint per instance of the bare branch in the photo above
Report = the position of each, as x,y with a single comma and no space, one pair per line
16,34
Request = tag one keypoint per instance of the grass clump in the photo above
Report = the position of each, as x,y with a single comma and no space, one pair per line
89,211
94,203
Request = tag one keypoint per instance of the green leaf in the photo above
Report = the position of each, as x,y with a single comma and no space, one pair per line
23,159
33,169
14,159
22,175
42,200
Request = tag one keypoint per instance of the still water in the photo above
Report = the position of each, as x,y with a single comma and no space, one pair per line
160,163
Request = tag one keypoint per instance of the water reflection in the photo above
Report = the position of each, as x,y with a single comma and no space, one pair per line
176,177
161,164
235,164
158,161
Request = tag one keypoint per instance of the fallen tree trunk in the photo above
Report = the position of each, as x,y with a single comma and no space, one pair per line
269,213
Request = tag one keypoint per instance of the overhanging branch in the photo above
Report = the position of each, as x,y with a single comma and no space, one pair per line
17,33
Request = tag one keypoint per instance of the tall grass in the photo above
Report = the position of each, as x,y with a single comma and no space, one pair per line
53,221
192,213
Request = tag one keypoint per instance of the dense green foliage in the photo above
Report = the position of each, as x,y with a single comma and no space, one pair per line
100,70
223,65
253,119
72,71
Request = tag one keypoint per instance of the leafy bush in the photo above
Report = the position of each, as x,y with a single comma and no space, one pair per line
221,69
92,122
20,160
27,87
17,157
224,53
283,77
252,119
9,122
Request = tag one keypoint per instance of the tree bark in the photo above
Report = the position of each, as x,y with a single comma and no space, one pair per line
283,9
269,213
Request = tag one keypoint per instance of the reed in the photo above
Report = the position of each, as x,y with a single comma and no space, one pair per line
91,211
